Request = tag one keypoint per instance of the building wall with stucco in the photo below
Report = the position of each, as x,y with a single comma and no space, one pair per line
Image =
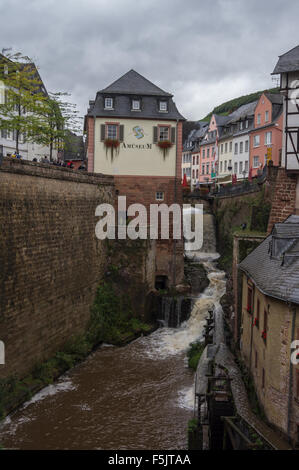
269,360
138,154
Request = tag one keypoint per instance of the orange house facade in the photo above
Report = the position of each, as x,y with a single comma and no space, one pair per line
266,137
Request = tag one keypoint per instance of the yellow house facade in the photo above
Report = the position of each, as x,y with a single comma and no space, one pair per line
270,325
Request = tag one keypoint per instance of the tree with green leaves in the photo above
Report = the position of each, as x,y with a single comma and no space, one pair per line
28,110
57,118
24,96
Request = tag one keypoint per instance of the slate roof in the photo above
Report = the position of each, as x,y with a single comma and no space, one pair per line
275,98
274,264
243,111
130,85
134,83
288,62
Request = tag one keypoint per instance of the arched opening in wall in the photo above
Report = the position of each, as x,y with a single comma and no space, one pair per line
161,282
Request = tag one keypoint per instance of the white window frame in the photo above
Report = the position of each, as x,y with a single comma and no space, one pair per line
135,105
256,159
163,108
258,119
107,101
266,116
255,139
268,141
162,135
159,195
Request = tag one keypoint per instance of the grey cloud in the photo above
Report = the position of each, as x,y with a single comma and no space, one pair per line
203,52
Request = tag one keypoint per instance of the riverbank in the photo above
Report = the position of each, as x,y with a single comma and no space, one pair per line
111,321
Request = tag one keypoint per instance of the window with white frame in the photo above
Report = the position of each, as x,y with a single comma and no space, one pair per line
163,133
266,116
236,167
208,168
108,103
246,145
256,141
221,167
268,138
203,153
163,106
230,146
225,165
241,125
135,105
221,148
241,147
208,153
258,120
203,169
236,149
246,123
240,167
159,196
9,135
112,131
246,166
225,148
256,162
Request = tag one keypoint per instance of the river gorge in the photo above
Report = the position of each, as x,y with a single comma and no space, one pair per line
139,396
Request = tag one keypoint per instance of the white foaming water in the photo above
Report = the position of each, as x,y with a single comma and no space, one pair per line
64,385
10,426
186,398
170,341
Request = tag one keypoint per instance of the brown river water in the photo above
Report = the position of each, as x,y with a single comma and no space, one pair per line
137,397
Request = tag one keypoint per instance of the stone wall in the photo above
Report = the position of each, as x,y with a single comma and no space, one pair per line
284,197
51,261
142,190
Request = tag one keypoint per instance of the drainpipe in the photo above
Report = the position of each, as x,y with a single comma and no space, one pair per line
175,198
251,339
291,375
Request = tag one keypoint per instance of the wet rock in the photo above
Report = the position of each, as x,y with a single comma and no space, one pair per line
183,288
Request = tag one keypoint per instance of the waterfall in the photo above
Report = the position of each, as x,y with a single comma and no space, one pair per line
174,311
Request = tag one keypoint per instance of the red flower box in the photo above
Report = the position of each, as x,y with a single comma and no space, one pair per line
111,143
164,144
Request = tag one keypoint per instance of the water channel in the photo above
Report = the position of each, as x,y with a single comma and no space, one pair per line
140,396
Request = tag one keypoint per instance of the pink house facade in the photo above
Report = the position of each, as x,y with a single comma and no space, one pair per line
266,137
207,152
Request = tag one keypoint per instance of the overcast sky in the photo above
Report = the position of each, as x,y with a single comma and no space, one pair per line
203,52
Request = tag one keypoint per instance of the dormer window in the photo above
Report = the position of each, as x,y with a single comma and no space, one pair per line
135,105
163,106
108,103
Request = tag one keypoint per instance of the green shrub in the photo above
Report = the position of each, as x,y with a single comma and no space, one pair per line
194,353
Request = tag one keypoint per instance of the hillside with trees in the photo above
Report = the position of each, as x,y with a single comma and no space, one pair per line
229,106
